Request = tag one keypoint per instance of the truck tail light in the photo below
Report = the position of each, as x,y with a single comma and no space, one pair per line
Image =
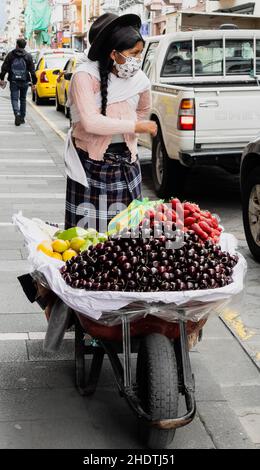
43,77
186,118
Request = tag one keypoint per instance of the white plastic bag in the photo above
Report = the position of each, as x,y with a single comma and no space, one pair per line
192,304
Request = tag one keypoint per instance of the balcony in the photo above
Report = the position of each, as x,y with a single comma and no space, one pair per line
123,4
76,27
154,5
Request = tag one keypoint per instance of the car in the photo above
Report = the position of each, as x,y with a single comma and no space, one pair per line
205,97
62,85
250,195
49,66
35,53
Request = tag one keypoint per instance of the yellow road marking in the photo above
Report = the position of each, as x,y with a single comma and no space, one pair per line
61,134
235,322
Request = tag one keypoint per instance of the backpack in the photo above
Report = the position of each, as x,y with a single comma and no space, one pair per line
19,69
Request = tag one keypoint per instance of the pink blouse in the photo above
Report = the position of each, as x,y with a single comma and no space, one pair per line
93,133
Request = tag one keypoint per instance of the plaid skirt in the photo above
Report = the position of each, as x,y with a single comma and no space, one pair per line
113,183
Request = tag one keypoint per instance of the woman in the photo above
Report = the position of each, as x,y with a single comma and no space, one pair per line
109,99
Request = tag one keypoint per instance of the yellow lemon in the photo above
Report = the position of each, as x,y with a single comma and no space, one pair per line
59,246
46,247
68,243
68,254
76,243
57,256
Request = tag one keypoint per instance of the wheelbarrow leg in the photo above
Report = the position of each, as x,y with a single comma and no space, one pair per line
86,387
95,370
79,357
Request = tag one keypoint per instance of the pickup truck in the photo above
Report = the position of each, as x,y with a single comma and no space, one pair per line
205,100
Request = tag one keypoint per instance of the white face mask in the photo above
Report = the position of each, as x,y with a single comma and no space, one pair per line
131,66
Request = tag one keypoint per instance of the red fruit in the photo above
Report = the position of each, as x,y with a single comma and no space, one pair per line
161,208
205,227
190,207
186,213
206,214
171,215
159,216
189,221
174,202
203,235
214,222
149,214
216,232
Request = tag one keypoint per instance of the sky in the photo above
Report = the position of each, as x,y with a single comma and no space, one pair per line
2,14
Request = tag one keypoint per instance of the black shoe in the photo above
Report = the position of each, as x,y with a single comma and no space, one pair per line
17,120
22,121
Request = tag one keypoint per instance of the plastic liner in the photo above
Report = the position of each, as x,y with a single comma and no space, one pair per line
107,307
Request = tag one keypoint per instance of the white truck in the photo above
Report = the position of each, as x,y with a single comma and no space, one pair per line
205,99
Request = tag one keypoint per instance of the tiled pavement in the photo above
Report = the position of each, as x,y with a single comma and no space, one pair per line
39,406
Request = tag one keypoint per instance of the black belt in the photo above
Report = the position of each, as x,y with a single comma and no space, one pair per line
118,154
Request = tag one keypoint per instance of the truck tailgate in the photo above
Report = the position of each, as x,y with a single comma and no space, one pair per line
226,117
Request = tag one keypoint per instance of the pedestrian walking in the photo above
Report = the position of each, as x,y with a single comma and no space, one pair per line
19,66
109,99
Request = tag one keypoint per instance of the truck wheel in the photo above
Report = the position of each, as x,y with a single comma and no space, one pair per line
251,211
168,175
157,383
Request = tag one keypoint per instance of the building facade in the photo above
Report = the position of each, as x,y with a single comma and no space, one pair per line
15,26
234,6
159,9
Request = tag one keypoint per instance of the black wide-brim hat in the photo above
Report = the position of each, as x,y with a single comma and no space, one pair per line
103,26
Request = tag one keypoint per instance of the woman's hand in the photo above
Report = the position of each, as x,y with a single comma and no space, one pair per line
146,127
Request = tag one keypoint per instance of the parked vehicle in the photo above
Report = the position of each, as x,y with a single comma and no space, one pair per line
62,86
250,192
35,53
205,100
49,66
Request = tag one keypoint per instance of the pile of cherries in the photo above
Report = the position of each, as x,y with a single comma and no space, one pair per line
140,264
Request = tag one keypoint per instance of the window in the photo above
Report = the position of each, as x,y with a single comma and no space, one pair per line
258,57
239,56
66,13
147,65
69,66
178,61
208,58
39,65
66,68
54,62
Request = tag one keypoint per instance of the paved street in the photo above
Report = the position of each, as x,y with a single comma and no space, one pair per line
40,407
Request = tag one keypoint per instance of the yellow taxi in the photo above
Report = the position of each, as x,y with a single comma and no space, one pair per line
62,85
49,66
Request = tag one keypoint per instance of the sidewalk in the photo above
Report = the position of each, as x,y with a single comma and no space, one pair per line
39,405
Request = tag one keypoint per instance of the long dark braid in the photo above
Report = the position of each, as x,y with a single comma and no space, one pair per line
104,70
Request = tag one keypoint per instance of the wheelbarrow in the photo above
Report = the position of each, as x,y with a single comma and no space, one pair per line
163,369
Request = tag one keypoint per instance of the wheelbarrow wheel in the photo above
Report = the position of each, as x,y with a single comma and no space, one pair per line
157,383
